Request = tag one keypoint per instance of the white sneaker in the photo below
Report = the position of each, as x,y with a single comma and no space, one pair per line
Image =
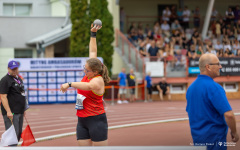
119,102
125,101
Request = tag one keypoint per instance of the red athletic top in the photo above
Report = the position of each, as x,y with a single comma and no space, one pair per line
92,104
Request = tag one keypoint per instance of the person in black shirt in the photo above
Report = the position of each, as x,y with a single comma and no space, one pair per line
163,88
13,99
131,78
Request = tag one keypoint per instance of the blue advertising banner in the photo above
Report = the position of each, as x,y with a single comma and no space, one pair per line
43,78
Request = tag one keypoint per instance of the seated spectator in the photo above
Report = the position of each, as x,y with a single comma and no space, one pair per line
200,51
158,35
228,53
238,52
196,38
236,14
231,36
165,28
210,49
140,35
142,49
156,27
160,44
132,27
179,61
175,26
192,52
235,46
147,28
163,88
184,40
223,26
153,51
150,35
227,45
176,38
220,53
218,46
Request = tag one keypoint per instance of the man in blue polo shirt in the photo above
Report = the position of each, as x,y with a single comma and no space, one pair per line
208,109
122,78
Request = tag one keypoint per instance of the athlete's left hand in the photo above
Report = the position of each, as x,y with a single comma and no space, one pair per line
64,87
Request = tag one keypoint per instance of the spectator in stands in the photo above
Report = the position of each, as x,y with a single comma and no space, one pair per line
176,38
196,17
220,53
192,52
142,49
140,34
150,35
131,78
179,60
218,30
228,53
122,19
200,51
163,88
173,15
184,40
140,26
186,18
235,46
237,27
147,28
153,51
122,87
180,15
132,27
214,15
165,28
223,26
175,26
158,35
213,27
196,38
231,36
218,46
210,49
229,16
156,27
227,45
238,52
148,84
166,14
236,14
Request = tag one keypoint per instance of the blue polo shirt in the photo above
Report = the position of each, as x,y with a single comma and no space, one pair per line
149,81
123,78
206,105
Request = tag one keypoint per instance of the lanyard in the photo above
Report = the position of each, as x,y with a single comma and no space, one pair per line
16,79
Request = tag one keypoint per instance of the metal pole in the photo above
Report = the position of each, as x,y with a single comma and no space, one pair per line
112,95
207,19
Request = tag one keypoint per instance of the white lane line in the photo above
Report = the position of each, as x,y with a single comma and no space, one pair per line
110,128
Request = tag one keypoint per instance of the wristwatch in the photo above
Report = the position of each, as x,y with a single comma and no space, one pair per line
70,84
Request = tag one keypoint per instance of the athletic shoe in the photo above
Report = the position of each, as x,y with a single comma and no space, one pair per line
119,102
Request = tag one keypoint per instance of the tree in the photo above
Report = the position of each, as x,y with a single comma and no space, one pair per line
80,34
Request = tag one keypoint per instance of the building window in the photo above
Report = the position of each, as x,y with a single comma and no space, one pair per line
17,9
23,53
230,87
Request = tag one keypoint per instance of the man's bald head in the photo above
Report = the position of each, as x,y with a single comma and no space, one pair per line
204,60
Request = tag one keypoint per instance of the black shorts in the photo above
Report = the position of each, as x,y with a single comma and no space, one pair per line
149,91
93,127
